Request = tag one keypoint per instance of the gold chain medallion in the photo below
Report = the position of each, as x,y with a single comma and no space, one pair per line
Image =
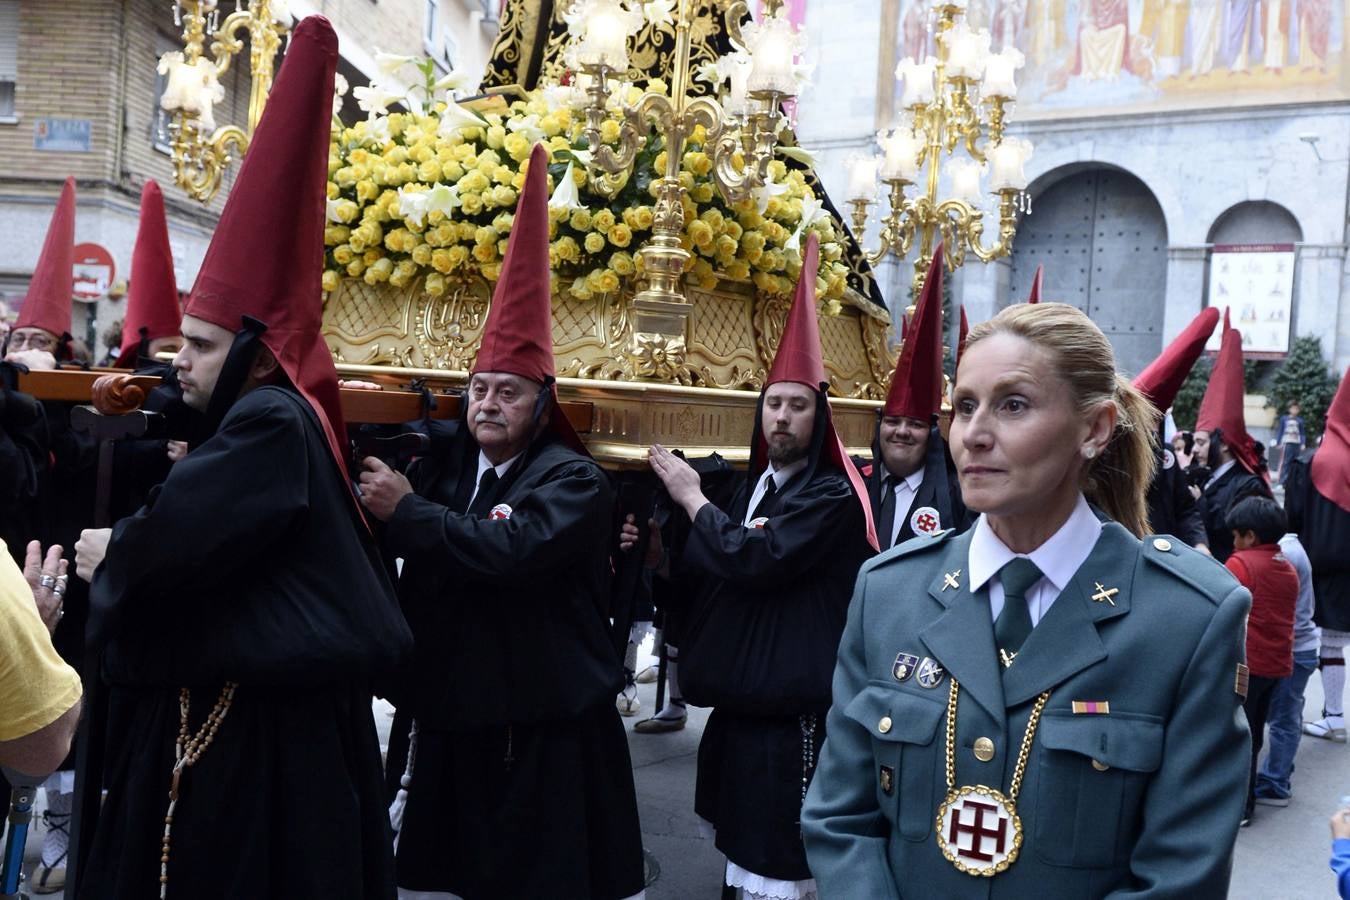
978,829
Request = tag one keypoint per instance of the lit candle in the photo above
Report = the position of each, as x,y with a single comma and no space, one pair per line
903,148
772,49
919,81
604,41
739,66
1000,73
965,176
1006,162
967,51
862,177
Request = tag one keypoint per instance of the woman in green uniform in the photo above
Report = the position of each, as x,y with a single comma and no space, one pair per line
1048,705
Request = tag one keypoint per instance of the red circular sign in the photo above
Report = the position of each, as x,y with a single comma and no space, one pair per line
95,270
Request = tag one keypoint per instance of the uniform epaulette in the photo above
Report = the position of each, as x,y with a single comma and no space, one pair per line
1200,570
919,544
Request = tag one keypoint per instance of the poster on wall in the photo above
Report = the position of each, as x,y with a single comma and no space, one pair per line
1255,282
1101,56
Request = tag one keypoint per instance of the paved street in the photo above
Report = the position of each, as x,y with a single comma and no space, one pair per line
1281,856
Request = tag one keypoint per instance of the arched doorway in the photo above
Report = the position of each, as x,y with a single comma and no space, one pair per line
1101,236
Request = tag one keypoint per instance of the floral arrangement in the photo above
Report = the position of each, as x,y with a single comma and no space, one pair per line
430,193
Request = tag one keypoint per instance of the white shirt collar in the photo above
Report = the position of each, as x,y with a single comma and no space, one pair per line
1058,558
502,468
1220,472
911,481
784,475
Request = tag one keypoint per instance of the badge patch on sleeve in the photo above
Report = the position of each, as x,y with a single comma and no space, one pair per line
1240,682
758,522
500,511
925,520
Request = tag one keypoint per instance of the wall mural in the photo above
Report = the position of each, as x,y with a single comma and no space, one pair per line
1094,56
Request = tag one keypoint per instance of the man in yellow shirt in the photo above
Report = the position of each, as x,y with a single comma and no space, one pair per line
39,693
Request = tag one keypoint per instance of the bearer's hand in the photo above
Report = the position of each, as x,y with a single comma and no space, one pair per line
382,488
680,479
33,360
90,550
359,385
48,579
628,538
177,450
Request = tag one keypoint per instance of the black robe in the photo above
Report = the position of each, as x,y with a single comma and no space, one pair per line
249,564
24,462
1171,507
940,490
1324,530
523,785
1234,485
752,760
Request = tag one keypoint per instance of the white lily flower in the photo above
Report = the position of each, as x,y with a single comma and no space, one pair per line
412,205
443,198
710,71
658,12
453,81
390,63
456,117
575,16
377,131
813,211
527,127
330,209
556,96
374,98
765,192
585,157
339,91
565,195
797,154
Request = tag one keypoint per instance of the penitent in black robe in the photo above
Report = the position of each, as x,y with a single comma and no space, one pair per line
753,758
1171,507
522,785
940,491
249,564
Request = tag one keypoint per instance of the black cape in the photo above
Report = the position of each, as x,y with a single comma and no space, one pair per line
1324,530
768,675
1171,507
250,564
940,490
1234,485
523,784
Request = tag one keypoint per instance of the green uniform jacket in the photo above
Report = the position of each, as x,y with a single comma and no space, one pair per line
1143,801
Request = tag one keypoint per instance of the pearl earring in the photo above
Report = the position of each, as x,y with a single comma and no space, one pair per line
1089,452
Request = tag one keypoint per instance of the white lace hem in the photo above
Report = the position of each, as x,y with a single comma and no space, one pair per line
758,887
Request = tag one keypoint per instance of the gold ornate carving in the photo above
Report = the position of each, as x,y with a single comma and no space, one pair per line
447,329
659,356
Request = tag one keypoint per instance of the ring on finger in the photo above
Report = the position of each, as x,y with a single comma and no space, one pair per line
47,580
59,590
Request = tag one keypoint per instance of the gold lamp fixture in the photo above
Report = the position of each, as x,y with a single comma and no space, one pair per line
742,127
201,150
959,98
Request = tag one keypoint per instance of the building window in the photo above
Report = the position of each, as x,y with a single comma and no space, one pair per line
433,26
9,58
160,137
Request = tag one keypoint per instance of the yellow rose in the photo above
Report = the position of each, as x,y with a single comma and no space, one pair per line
471,204
459,255
831,251
330,281
659,164
366,190
346,210
714,219
725,247
580,220
345,177
517,147
603,220
503,175
609,131
335,234
372,256
595,242
501,247
355,268
774,208
833,308
738,271
496,137
421,254
429,171
394,239
503,196
732,229
490,271
703,193
700,234
435,284
440,261
622,263
484,253
485,234
698,163
331,190
397,156
467,231
620,235
644,217
379,271
608,281
343,255
404,271
518,181
566,249
503,222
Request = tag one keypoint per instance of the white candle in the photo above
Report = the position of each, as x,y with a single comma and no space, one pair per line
965,176
1006,162
606,39
966,51
919,81
1000,73
903,149
772,50
862,178
740,66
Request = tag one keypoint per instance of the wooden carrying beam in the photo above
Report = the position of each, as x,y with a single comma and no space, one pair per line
391,405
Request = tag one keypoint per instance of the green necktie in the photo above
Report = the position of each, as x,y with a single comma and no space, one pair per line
1014,621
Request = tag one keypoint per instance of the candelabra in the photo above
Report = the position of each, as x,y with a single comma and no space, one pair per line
741,125
201,151
958,99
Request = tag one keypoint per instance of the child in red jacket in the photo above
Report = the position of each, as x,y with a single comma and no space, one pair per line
1257,524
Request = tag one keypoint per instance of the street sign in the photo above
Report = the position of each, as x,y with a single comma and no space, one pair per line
94,272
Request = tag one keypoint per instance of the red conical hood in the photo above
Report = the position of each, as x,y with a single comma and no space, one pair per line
916,387
1035,295
799,359
1161,379
47,305
1331,462
518,336
266,257
962,333
1222,406
152,296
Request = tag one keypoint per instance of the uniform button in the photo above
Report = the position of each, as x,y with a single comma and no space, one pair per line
884,725
1162,544
1099,765
984,749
